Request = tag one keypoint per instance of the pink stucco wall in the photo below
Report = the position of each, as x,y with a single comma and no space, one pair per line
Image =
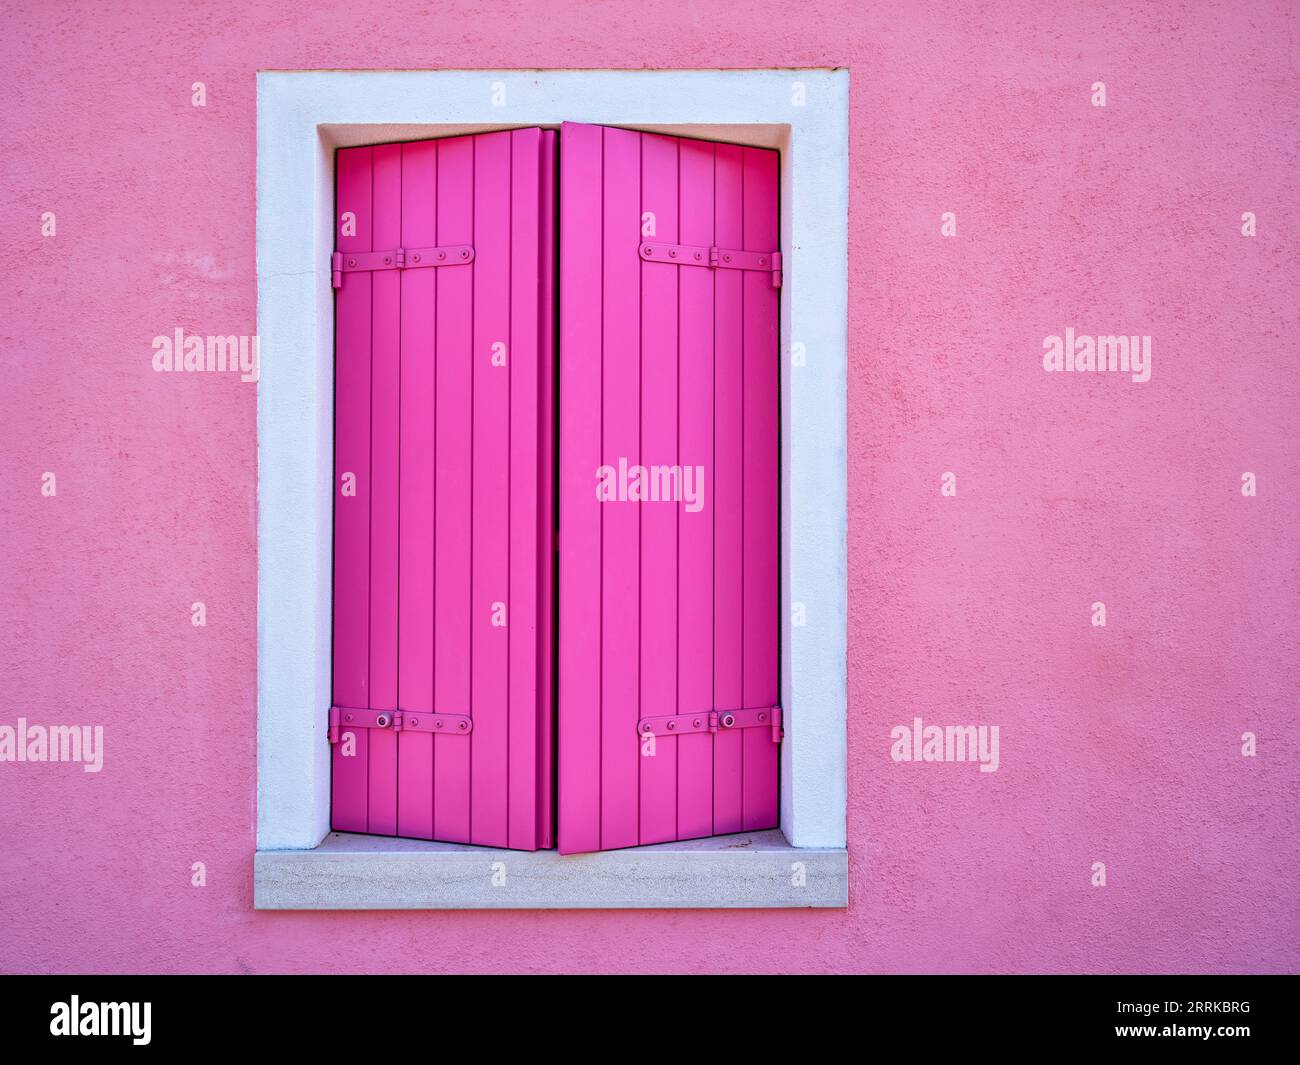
1119,744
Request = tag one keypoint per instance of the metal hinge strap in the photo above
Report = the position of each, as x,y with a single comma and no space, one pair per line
713,721
342,717
398,259
713,257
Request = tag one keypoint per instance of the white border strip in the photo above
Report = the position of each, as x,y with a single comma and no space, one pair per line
301,119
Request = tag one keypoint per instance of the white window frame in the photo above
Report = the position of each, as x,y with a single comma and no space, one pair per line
302,118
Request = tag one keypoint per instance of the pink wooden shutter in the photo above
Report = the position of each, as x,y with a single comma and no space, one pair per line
441,727
668,613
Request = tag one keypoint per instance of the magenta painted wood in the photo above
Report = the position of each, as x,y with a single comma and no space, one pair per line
695,528
443,555
666,609
452,505
490,494
620,569
544,757
415,518
762,519
659,399
352,495
531,543
728,493
579,709
385,404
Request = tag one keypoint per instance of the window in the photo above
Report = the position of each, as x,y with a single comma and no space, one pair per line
303,120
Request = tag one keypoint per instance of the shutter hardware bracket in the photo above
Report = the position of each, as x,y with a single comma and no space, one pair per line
714,258
398,259
398,721
713,721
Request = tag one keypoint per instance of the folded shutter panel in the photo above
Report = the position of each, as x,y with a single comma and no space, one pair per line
441,724
667,611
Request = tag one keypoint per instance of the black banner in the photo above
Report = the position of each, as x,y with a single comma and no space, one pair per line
1221,1014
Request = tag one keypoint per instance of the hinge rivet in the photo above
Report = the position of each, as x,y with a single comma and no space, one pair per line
697,256
415,258
671,725
352,262
442,255
762,717
762,262
672,255
697,720
461,726
649,251
464,255
415,721
387,259
726,258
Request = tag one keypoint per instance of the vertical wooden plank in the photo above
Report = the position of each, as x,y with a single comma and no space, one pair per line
620,520
491,609
453,620
385,399
659,367
579,530
352,474
728,487
544,754
762,519
695,518
525,529
415,513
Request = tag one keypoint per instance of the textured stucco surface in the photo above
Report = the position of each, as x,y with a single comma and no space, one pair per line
1119,744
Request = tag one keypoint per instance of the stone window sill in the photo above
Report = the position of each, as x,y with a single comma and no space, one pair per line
744,871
